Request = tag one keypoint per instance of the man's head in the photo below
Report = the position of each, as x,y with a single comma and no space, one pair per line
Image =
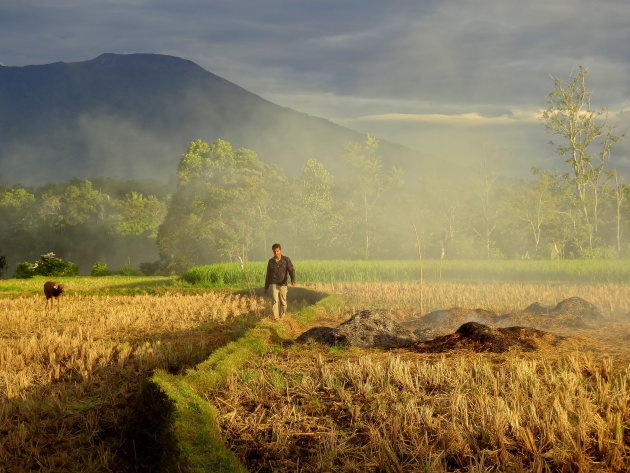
277,250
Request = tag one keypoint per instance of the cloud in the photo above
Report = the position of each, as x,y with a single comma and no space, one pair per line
448,52
468,118
375,66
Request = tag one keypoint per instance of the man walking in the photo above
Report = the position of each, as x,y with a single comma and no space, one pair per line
278,268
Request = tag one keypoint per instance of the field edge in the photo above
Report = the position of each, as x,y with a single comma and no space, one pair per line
193,425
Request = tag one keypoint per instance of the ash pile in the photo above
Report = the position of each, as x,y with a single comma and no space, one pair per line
482,338
573,312
479,330
365,329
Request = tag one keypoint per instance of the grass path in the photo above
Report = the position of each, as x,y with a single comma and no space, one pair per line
198,439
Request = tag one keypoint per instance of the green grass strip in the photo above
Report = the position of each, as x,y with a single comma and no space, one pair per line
194,422
311,313
465,271
195,429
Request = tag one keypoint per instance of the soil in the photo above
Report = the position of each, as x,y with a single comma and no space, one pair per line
483,338
365,329
576,307
573,323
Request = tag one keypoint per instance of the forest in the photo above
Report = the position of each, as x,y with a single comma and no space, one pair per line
225,204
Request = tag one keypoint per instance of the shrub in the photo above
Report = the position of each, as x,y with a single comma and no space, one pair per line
3,265
100,269
128,270
48,265
24,270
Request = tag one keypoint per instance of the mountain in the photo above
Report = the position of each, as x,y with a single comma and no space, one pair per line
133,116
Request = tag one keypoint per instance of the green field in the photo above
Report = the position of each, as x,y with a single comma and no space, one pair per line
470,271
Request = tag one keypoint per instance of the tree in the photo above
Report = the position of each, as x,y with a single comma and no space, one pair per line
16,209
483,211
315,221
567,228
79,204
74,221
368,181
569,115
219,208
138,215
619,192
17,222
532,204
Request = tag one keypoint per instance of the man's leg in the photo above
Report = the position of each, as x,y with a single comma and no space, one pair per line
275,300
283,300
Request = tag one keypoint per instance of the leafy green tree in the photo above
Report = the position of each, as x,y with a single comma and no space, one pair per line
78,204
16,211
567,229
75,221
18,222
138,215
219,208
81,222
317,225
587,141
368,182
16,198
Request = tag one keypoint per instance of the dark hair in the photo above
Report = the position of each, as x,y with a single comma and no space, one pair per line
276,245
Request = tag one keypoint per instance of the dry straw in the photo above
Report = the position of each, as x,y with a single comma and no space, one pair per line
501,298
67,379
315,412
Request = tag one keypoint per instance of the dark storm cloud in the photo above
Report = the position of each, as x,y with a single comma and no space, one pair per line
367,64
453,51
501,52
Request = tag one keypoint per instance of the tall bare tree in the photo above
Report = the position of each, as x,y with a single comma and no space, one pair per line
619,190
587,141
483,211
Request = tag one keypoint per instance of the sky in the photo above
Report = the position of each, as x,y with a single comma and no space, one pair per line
451,78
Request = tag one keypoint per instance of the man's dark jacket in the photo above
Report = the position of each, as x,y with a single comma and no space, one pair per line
277,271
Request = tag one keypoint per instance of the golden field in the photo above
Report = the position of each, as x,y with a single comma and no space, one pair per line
358,412
70,378
558,409
611,298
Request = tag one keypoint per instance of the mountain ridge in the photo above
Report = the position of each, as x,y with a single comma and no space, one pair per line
133,116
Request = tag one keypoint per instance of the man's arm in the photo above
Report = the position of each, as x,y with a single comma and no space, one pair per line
291,271
268,276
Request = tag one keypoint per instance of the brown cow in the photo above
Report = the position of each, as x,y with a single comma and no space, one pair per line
52,289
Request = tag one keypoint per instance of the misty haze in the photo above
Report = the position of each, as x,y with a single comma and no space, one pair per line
94,141
295,236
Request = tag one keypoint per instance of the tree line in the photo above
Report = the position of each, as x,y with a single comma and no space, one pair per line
82,221
228,205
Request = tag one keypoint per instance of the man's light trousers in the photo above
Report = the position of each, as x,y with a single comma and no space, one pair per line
278,300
